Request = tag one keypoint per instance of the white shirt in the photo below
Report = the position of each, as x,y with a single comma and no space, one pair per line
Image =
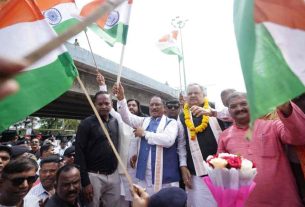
181,148
36,194
60,151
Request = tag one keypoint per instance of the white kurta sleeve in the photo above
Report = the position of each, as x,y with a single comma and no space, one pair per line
181,144
166,138
129,118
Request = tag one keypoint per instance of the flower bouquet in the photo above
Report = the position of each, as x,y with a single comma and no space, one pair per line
230,179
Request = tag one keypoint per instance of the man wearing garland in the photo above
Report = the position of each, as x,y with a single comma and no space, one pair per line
201,134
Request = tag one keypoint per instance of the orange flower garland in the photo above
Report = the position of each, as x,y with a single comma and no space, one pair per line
190,125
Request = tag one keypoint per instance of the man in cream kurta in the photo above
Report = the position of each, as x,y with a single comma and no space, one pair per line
157,164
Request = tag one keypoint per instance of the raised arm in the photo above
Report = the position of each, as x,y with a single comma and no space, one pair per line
129,118
291,129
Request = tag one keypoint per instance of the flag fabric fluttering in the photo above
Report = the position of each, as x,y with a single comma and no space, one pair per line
168,44
270,36
114,27
60,14
22,30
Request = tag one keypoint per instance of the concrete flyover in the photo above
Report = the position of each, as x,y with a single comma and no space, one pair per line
73,104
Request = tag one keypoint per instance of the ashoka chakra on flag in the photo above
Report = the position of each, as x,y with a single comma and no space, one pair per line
53,16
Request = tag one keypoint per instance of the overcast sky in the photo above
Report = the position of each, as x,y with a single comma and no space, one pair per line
210,52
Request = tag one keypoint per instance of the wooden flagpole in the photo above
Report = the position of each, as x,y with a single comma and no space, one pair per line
121,65
91,51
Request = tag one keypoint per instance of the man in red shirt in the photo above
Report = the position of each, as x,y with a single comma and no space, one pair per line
275,185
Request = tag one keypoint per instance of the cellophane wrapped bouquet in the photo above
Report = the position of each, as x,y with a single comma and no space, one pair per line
230,179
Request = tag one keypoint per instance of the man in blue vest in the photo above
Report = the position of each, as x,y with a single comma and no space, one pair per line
157,164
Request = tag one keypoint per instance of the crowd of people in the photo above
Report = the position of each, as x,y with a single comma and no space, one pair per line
163,153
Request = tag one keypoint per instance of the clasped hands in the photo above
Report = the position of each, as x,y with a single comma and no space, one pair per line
200,111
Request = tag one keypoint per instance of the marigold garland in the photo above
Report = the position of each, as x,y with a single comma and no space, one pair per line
190,125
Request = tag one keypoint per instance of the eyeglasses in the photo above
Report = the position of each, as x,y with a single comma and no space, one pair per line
19,181
172,106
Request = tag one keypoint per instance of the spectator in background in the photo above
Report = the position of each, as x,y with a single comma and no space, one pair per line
67,188
5,156
135,107
35,147
69,155
19,151
62,146
9,136
45,189
45,151
16,180
224,114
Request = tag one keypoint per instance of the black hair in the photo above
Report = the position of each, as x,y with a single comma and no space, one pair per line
6,148
99,93
162,101
45,147
19,165
8,135
140,113
50,159
65,168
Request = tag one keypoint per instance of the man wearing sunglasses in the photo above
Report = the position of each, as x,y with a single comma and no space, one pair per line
172,109
16,180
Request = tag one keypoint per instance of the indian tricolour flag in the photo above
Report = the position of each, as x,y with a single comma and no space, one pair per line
115,27
168,44
22,30
271,41
60,14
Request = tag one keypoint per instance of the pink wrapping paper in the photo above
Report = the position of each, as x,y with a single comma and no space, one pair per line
226,197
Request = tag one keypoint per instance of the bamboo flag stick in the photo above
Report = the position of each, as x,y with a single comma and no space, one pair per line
108,6
106,133
121,65
91,51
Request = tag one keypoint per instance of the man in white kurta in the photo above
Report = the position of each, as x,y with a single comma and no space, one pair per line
158,138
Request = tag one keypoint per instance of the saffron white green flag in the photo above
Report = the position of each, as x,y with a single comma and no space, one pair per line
22,30
114,27
168,44
271,41
60,14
